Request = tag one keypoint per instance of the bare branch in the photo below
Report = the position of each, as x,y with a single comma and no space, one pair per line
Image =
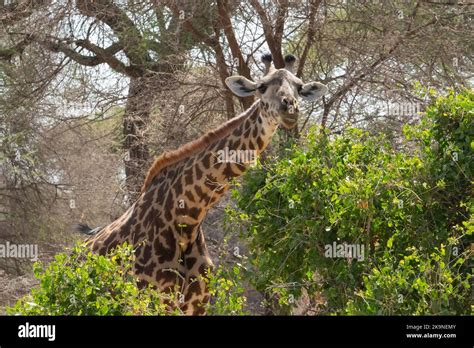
275,49
128,34
15,11
314,5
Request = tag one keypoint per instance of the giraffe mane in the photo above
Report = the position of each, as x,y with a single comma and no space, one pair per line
169,158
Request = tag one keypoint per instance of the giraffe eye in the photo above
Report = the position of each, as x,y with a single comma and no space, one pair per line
262,88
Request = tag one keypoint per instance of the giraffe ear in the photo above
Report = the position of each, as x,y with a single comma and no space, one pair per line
312,90
241,86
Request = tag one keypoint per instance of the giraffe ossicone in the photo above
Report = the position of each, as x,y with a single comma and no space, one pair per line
164,224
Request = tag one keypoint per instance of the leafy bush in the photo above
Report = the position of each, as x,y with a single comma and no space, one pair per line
416,284
402,208
446,139
83,283
227,292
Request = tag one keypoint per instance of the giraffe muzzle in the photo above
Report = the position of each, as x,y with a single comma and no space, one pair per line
289,120
289,105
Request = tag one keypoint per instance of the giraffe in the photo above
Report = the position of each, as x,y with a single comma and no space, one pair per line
164,224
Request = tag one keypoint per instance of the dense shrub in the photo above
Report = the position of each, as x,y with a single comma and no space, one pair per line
83,283
406,207
416,283
227,292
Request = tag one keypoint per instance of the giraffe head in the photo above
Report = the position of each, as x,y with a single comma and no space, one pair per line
278,90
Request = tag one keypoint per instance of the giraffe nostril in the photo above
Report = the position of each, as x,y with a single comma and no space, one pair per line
288,104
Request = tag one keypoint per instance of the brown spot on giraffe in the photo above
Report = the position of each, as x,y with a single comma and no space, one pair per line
198,172
229,172
255,132
189,195
260,143
190,262
188,176
251,145
247,133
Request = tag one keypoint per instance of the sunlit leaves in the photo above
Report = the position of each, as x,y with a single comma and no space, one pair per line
82,283
403,206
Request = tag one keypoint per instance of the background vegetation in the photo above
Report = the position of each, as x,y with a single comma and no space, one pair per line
410,207
81,283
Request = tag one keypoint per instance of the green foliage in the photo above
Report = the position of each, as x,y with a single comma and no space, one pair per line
446,136
82,283
416,284
402,206
227,292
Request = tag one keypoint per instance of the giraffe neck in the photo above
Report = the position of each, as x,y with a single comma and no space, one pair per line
198,182
181,194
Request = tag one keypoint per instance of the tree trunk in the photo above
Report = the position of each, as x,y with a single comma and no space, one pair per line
135,120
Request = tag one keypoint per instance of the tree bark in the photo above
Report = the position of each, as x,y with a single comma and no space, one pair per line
135,120
242,67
